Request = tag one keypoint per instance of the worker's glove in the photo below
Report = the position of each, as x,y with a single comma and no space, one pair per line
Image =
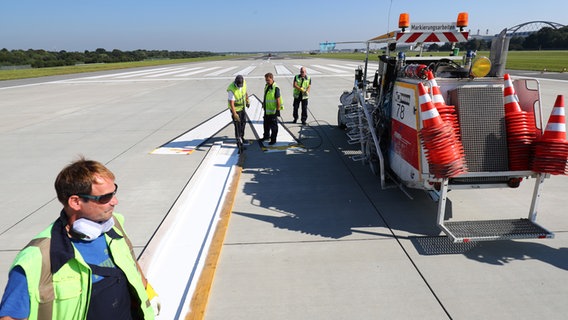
278,113
154,299
248,104
236,117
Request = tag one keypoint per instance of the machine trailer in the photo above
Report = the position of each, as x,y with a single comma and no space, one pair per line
454,122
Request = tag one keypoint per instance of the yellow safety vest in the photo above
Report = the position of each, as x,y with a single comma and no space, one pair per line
65,294
303,83
270,104
240,95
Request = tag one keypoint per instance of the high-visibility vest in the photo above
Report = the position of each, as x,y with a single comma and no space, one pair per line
270,104
240,95
302,83
65,294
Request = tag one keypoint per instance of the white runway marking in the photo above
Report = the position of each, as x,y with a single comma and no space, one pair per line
173,72
343,67
219,72
189,141
147,72
139,72
192,139
184,73
282,70
308,70
188,229
284,140
196,72
329,69
245,71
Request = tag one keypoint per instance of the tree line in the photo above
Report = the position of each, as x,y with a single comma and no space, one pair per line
545,39
43,58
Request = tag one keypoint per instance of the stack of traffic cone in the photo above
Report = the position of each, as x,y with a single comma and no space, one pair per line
448,113
444,150
551,150
521,129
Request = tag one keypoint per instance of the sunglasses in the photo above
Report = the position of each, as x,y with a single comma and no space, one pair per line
102,199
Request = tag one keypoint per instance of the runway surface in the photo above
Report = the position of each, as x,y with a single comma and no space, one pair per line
310,234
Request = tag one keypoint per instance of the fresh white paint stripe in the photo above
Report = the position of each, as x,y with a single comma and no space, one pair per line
188,228
308,70
219,72
255,114
196,72
189,141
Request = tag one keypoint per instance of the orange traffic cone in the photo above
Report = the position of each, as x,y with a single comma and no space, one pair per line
428,112
448,113
437,97
511,99
551,150
443,149
521,129
556,127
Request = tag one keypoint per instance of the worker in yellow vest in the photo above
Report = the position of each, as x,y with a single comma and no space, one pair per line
238,100
302,84
82,266
272,104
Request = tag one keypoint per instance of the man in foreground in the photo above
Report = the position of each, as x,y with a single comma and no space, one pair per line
82,266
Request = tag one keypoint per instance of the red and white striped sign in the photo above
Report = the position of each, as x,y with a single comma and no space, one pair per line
447,36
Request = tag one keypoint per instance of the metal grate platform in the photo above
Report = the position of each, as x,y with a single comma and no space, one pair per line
465,231
482,125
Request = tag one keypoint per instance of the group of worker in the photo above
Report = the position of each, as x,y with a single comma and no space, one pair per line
272,104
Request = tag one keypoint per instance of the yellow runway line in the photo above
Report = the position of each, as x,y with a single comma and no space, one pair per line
198,303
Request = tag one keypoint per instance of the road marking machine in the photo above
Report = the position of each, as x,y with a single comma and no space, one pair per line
454,122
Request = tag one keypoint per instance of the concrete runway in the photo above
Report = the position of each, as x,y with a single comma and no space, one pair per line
311,235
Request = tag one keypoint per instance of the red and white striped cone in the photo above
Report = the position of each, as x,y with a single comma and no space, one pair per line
510,97
551,150
428,112
521,129
437,97
521,134
448,113
443,150
556,126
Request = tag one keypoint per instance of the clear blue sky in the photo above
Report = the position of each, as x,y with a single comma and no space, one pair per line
248,25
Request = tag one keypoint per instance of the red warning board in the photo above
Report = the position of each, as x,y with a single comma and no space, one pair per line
446,36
